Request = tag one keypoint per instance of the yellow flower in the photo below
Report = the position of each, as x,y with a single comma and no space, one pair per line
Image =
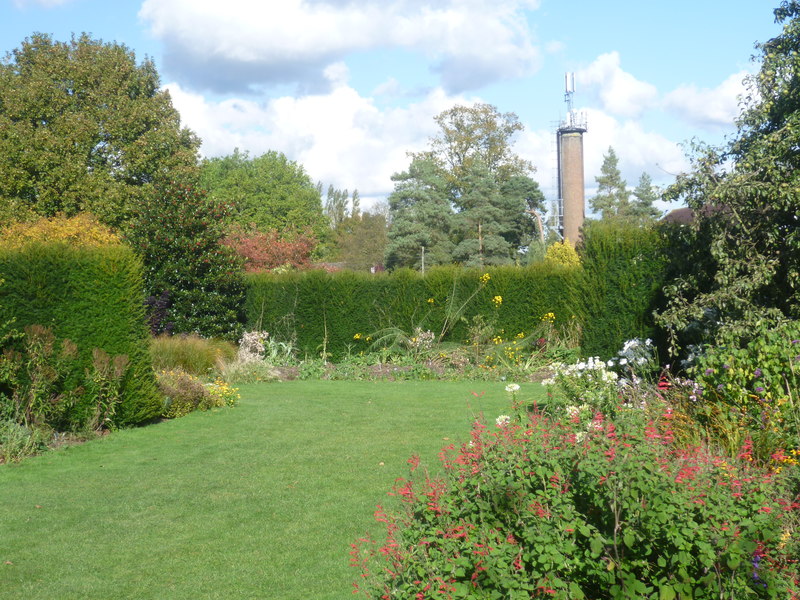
357,336
485,278
431,300
497,300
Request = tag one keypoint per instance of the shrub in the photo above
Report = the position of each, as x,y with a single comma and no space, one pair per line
191,353
272,249
178,232
751,389
223,394
18,441
562,253
81,230
183,393
533,506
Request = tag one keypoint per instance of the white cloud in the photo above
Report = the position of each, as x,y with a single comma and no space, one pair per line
239,44
340,137
639,151
709,108
619,92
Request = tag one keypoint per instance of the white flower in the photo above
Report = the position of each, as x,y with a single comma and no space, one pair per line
549,381
573,411
502,420
610,363
623,361
512,387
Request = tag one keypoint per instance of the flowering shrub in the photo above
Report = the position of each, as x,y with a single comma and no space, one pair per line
757,385
589,381
529,508
222,394
183,393
251,346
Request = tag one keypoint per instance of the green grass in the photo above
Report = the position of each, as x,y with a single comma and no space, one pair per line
259,501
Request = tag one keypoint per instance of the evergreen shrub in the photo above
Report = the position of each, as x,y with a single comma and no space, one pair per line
619,287
344,312
93,297
193,281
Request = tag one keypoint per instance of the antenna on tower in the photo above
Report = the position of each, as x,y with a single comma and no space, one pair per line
569,151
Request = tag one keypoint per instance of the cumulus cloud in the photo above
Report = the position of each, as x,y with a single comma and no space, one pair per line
339,137
619,92
241,44
709,108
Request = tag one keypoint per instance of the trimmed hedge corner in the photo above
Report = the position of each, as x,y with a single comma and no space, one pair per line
92,296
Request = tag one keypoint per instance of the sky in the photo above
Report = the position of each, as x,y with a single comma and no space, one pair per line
347,88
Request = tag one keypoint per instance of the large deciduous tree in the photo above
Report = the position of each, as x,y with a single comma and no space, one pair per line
84,127
269,191
746,202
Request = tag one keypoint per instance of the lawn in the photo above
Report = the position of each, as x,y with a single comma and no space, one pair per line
259,501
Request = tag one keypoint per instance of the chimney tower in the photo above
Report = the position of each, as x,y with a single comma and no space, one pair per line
569,145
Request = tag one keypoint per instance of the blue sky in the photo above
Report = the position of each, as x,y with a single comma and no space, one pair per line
348,87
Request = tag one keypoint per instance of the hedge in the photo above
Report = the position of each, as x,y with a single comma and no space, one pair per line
327,311
613,295
619,287
92,296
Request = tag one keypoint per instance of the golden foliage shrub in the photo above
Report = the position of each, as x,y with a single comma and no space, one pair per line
81,230
563,253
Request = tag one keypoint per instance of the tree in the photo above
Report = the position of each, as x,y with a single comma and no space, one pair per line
83,127
612,198
361,241
476,134
194,283
336,205
645,194
492,223
746,198
421,215
477,192
269,191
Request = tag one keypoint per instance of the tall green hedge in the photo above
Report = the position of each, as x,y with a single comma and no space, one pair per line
316,307
624,270
92,296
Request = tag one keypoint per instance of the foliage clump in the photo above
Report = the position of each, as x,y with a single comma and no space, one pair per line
569,504
562,253
85,129
193,282
80,230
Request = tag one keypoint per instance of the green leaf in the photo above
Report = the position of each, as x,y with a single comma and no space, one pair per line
666,592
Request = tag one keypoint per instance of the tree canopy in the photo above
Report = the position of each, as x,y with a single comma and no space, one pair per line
83,127
268,191
746,201
477,134
615,201
466,199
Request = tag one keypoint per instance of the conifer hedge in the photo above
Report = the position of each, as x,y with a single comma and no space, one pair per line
91,295
624,268
612,294
337,312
